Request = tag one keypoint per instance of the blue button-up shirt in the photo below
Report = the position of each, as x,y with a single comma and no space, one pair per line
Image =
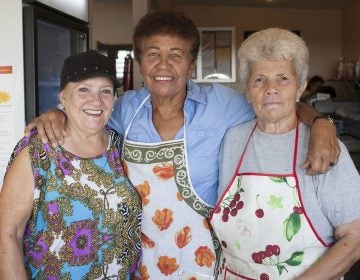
209,112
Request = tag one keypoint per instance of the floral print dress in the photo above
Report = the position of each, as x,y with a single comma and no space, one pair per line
86,214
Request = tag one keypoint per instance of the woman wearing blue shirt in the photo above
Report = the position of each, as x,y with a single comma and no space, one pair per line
172,132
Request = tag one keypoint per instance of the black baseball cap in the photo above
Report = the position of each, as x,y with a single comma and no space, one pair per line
87,65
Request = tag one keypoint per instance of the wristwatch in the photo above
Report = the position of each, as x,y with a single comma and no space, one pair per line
330,119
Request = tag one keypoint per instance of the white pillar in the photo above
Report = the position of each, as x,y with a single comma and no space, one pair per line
12,112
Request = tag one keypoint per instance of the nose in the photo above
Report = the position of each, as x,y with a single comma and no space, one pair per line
96,98
164,61
271,87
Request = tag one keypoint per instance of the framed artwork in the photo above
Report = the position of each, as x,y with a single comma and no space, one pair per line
216,59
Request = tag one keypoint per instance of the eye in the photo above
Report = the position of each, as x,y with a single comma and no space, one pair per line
283,79
259,81
107,91
83,89
153,54
176,55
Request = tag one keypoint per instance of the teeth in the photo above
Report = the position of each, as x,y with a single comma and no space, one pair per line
93,112
163,78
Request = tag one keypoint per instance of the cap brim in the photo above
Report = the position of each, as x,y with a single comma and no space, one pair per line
89,75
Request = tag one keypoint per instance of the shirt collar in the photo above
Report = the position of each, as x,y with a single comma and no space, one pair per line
195,93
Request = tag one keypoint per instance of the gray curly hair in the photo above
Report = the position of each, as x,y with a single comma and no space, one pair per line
274,44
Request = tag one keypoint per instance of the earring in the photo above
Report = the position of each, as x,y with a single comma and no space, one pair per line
188,85
142,84
61,107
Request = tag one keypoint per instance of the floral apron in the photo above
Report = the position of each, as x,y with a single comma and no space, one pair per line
263,227
176,238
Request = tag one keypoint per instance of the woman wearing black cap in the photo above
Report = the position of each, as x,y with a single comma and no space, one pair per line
72,213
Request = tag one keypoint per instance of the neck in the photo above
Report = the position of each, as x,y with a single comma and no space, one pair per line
277,127
168,117
168,107
86,145
162,100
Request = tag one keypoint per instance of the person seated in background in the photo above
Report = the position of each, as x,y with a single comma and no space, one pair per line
273,220
312,88
70,212
328,90
325,92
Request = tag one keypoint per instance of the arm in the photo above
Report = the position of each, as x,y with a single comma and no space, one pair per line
16,202
341,256
323,144
50,126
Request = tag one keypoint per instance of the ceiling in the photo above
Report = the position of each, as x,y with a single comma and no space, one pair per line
290,4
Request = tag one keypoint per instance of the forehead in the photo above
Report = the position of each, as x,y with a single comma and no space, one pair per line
272,67
165,42
93,81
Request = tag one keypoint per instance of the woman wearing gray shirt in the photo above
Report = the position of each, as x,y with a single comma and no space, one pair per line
272,219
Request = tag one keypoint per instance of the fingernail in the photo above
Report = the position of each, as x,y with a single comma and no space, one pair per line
54,145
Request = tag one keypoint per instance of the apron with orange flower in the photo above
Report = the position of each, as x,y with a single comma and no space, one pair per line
176,239
263,227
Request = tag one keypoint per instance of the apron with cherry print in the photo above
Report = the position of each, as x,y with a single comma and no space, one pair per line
263,227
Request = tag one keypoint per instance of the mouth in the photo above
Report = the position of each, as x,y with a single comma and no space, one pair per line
94,113
272,103
163,78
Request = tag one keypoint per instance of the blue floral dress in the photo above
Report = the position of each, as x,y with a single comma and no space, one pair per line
86,214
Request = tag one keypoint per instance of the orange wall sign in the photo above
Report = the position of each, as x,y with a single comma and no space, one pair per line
5,69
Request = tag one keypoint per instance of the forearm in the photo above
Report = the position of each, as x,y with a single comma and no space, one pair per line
323,149
335,262
11,258
306,113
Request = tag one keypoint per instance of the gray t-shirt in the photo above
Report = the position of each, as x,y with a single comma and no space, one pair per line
331,199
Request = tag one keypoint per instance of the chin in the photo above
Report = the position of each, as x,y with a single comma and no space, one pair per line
95,126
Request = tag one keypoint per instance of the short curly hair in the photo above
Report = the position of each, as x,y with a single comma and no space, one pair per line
274,44
166,22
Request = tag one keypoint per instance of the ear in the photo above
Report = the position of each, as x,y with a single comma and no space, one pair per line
191,69
300,91
62,97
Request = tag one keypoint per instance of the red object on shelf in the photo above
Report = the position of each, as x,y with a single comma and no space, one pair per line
128,80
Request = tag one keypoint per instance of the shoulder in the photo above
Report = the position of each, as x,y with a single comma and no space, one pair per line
236,136
29,147
125,107
133,97
239,131
217,92
32,142
222,100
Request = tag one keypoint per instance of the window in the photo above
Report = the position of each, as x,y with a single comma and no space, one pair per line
216,59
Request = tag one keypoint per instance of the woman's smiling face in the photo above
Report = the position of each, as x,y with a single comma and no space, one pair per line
88,103
166,65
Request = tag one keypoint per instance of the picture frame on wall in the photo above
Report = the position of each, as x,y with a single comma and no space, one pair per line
216,60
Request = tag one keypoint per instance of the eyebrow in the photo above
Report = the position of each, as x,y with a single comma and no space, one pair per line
172,49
